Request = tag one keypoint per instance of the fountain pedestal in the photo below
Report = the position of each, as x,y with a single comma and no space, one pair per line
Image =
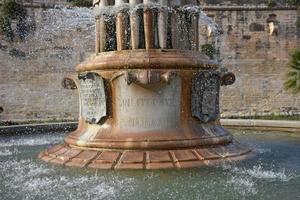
147,108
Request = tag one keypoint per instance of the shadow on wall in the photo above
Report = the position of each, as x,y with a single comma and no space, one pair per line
1,109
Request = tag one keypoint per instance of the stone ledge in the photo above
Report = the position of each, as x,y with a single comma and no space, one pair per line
246,7
273,125
37,128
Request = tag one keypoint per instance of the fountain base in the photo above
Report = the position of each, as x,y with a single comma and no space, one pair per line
69,155
148,109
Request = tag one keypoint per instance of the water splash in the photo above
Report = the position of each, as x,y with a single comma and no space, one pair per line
54,25
31,140
243,186
8,152
259,172
35,180
261,150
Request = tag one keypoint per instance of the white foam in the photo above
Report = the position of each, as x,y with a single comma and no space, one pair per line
262,150
31,141
242,185
259,172
8,152
33,180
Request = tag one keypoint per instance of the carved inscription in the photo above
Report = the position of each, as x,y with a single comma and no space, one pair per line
205,96
92,97
150,107
145,102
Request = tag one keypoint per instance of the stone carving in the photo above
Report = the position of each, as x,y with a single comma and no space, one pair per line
205,96
92,97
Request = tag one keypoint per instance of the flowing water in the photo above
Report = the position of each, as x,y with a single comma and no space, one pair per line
273,174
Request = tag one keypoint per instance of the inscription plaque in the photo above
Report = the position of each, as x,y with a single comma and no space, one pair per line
205,96
146,107
92,97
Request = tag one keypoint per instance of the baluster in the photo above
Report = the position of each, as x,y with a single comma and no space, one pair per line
97,36
102,27
202,32
162,24
121,26
135,24
194,32
174,23
148,25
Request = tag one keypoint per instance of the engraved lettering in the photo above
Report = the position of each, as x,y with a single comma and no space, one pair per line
146,108
93,99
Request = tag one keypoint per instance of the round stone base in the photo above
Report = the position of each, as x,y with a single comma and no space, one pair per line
137,159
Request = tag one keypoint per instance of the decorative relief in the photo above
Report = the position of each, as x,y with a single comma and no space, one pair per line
92,97
205,96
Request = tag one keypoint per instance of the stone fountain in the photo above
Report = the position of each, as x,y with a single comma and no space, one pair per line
149,98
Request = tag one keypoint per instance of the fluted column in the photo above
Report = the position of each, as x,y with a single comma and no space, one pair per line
148,25
162,24
97,35
121,26
97,31
174,23
135,22
202,32
194,32
102,28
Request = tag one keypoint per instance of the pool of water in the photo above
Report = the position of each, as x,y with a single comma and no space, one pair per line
273,174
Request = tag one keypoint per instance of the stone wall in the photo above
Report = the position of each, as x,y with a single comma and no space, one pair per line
31,71
259,61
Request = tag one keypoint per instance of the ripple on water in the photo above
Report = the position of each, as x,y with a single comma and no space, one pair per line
31,180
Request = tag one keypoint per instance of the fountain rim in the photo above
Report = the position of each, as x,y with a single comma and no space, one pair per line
148,59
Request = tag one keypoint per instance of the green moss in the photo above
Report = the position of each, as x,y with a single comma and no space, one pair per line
271,3
11,10
294,2
209,50
298,22
81,3
5,28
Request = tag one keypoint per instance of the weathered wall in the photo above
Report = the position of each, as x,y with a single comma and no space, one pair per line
30,81
259,61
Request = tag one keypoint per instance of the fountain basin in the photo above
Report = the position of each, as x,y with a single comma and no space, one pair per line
274,174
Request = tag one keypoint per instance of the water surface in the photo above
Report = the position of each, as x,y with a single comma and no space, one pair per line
274,174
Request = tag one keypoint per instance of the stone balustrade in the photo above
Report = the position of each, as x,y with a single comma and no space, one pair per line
150,24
